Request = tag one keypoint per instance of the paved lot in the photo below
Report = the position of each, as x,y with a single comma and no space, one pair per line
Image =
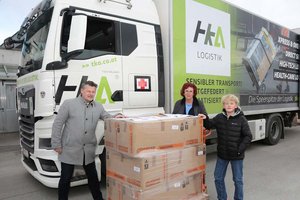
270,172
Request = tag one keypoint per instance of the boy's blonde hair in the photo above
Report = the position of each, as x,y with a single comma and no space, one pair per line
230,97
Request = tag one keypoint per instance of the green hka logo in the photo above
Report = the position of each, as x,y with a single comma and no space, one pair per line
103,85
210,35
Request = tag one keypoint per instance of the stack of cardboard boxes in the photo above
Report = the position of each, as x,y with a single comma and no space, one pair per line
155,157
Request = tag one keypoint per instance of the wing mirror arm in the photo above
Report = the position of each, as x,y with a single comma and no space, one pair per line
56,65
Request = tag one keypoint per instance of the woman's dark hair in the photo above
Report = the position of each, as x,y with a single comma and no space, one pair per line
186,85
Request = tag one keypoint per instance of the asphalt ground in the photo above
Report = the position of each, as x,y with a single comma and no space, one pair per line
270,173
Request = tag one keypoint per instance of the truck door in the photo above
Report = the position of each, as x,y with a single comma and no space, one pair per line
141,67
97,39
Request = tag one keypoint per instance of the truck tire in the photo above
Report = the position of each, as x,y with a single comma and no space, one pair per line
274,130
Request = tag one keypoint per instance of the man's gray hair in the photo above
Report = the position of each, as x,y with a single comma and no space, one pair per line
89,83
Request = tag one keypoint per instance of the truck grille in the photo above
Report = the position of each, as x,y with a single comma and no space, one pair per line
26,122
27,135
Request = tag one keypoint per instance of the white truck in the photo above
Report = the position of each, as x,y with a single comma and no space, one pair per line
140,52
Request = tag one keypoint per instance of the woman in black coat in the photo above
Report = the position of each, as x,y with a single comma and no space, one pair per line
189,104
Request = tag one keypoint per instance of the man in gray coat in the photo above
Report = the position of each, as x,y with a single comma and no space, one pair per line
73,138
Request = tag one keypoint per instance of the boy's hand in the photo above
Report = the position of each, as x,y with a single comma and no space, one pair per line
202,116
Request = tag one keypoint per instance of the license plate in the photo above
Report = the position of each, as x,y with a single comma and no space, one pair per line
25,153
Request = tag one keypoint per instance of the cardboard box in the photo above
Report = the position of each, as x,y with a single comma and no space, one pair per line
185,162
183,189
142,173
156,168
132,136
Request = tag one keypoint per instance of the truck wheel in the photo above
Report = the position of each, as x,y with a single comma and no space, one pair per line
274,130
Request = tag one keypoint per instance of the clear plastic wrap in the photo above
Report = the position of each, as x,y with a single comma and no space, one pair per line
132,136
155,157
187,188
156,168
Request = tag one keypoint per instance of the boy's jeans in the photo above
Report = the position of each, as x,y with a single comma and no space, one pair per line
237,172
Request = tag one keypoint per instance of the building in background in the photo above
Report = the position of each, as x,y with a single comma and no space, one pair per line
9,62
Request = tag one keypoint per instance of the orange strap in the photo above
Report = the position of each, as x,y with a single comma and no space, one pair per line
206,133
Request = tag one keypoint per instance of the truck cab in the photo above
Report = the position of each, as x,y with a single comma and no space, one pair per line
115,44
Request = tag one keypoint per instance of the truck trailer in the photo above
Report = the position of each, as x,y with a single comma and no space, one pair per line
140,52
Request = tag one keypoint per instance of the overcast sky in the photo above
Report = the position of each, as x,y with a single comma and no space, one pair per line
282,12
12,14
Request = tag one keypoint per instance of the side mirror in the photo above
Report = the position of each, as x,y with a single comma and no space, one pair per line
8,43
56,65
68,56
117,95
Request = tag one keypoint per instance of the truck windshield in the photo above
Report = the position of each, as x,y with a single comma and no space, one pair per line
35,42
